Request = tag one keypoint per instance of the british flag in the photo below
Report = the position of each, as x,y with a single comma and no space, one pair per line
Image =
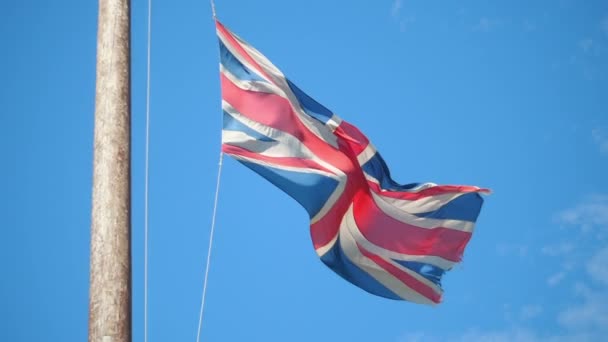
392,240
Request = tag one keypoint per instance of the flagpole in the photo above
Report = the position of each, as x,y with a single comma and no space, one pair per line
110,263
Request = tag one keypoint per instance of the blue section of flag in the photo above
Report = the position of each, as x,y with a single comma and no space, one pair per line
341,264
430,272
457,209
376,167
309,105
238,69
233,124
311,190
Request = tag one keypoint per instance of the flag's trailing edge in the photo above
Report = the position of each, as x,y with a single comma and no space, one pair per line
392,240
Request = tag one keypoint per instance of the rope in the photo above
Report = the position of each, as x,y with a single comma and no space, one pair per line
211,233
146,191
217,191
213,8
147,174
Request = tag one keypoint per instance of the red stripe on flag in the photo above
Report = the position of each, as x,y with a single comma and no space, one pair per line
324,230
405,278
266,108
352,136
389,233
432,191
279,161
275,111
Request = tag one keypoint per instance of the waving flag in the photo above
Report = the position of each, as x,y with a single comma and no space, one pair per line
392,240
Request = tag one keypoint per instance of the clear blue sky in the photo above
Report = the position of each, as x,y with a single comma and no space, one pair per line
511,95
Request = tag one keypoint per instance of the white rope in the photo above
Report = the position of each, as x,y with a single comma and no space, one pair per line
147,174
217,191
213,8
212,231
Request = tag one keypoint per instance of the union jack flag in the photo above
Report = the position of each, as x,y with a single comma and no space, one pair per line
392,240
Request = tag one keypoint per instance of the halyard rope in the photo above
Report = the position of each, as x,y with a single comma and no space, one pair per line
217,190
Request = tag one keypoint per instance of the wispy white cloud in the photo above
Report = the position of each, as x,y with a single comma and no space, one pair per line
529,25
597,267
589,56
405,22
600,137
396,13
556,278
591,214
417,337
590,217
521,314
474,335
589,311
515,334
530,311
558,249
512,249
486,24
396,8
604,25
587,45
590,314
483,25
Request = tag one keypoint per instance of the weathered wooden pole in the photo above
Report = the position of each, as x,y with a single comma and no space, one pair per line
110,277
